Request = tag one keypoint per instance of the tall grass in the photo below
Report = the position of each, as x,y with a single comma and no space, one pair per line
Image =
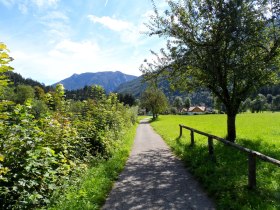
225,178
92,189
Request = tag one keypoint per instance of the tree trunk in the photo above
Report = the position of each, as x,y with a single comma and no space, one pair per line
231,130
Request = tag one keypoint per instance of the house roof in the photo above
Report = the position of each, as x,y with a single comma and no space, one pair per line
197,108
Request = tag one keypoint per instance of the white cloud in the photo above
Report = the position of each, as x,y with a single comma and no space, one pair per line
43,3
106,3
111,23
56,25
68,57
64,59
23,8
129,33
8,3
75,50
55,15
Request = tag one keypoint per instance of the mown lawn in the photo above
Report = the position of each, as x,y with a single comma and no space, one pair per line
225,177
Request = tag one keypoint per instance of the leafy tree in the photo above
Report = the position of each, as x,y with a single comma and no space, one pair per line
258,104
97,92
39,92
23,93
218,105
187,103
126,99
178,103
154,100
269,98
5,59
39,108
137,102
229,47
58,98
276,103
245,105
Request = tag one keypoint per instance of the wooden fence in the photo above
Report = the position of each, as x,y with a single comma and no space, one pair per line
252,155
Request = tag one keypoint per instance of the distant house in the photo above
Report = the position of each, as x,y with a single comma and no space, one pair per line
197,109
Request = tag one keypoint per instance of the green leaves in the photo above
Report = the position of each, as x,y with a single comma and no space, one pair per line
4,67
39,155
154,100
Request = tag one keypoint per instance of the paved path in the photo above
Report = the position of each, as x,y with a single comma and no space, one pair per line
154,179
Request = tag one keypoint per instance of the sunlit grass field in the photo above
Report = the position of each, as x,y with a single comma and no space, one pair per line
225,178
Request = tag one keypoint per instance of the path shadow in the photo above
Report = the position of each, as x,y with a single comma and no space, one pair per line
154,179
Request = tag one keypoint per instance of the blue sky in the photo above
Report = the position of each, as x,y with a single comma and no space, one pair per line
53,39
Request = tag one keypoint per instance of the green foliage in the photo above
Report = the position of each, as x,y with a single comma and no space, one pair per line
23,93
255,131
229,47
127,99
178,103
258,104
45,143
276,103
154,100
93,92
187,103
5,59
94,186
38,156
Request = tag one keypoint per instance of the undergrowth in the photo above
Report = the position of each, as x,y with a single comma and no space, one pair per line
91,190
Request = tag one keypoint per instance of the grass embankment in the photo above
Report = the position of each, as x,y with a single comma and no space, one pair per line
96,183
225,179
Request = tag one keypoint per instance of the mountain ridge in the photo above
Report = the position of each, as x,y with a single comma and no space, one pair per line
109,80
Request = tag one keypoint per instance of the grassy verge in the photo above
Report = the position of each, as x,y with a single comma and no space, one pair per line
92,190
225,179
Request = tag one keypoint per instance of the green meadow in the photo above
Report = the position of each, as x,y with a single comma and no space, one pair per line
225,177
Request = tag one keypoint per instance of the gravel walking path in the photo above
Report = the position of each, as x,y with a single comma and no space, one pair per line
154,179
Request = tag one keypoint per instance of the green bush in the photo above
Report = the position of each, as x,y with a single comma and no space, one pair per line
38,155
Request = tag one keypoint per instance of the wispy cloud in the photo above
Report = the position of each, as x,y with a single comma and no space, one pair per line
8,3
128,32
56,25
52,39
25,5
55,15
78,50
43,3
62,60
111,23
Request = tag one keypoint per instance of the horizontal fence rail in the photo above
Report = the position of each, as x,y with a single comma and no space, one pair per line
252,155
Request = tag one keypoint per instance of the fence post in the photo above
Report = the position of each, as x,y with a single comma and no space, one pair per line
252,171
181,132
210,146
192,138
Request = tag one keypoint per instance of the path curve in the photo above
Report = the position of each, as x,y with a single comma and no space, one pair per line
154,179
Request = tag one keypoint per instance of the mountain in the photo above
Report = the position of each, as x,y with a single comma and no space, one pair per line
109,80
134,87
137,86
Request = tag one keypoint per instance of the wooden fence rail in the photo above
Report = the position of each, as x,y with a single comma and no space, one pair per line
252,155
